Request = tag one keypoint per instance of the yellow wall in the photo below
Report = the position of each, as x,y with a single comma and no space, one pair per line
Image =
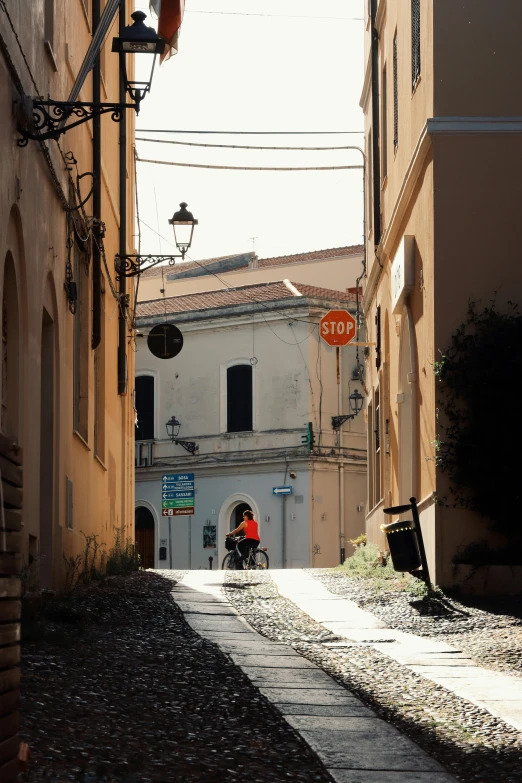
33,231
454,185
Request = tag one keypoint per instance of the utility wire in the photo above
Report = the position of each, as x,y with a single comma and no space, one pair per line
235,146
275,16
248,168
253,133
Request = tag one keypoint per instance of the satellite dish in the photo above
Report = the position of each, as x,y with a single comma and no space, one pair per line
165,341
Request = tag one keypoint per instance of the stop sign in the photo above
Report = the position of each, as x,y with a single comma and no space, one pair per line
337,327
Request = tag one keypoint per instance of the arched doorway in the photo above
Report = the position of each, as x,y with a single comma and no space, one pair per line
236,517
144,536
47,450
231,510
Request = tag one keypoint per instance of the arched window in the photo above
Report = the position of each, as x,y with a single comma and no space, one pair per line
239,398
144,400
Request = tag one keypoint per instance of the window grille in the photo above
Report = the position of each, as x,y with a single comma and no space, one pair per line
415,42
239,398
395,96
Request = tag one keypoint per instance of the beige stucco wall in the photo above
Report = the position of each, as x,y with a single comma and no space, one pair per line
337,274
454,185
33,233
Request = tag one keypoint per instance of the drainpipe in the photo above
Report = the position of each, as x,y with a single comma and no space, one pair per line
341,463
96,195
122,332
375,127
413,381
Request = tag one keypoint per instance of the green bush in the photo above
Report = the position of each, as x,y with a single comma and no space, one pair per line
122,558
364,564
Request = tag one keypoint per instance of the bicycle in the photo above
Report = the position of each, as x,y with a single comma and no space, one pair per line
257,559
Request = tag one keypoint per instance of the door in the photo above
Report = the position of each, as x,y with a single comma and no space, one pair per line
144,536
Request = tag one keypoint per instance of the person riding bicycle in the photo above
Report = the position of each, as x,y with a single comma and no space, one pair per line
251,532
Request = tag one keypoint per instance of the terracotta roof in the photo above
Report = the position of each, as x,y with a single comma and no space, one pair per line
245,294
296,258
183,266
314,255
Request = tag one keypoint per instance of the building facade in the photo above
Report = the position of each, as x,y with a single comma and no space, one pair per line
443,145
252,374
62,398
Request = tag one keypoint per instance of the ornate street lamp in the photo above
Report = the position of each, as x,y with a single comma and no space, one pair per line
41,120
356,402
137,38
183,223
173,427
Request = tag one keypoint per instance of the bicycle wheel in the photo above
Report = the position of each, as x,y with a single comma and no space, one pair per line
261,559
229,562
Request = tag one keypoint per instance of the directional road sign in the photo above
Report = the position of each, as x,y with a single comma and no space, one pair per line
177,494
282,490
337,327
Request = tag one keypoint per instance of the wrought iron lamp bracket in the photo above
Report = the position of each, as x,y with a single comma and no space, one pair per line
41,120
132,264
338,421
188,445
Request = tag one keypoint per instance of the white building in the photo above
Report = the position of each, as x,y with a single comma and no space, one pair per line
252,374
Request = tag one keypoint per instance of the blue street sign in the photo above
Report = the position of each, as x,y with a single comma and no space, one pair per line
282,490
176,477
177,486
176,495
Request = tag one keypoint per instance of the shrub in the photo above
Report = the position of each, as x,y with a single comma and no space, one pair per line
476,446
122,558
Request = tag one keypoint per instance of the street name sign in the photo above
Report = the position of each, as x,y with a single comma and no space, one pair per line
282,490
177,494
337,327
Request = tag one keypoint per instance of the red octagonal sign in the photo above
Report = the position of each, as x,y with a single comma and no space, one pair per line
337,327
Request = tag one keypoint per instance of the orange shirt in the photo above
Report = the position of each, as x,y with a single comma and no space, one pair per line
251,529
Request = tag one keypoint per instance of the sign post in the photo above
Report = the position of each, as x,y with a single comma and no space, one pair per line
337,327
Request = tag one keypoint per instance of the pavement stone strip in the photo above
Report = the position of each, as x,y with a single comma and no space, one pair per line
469,742
235,680
487,629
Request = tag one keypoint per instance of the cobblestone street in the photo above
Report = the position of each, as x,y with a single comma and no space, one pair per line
124,685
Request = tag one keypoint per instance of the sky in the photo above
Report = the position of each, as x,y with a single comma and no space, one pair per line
296,66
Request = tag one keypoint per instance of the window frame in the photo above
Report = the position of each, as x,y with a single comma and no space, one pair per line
223,424
155,395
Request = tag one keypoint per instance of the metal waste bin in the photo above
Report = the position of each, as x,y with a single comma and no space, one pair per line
403,544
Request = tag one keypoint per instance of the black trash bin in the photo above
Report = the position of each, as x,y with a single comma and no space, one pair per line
403,544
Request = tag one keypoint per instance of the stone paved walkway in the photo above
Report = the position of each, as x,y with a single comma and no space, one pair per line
499,693
352,742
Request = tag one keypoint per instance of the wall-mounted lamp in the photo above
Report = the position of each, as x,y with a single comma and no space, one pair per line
40,120
356,402
173,427
183,223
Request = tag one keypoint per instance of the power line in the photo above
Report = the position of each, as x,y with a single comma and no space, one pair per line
248,168
275,16
235,146
253,133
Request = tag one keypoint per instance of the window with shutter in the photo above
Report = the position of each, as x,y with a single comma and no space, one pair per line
378,337
384,124
415,42
395,95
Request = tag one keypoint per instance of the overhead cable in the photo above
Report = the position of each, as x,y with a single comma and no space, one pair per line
247,168
235,146
252,133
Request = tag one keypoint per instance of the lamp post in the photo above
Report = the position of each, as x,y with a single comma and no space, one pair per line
40,120
356,402
183,223
173,427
